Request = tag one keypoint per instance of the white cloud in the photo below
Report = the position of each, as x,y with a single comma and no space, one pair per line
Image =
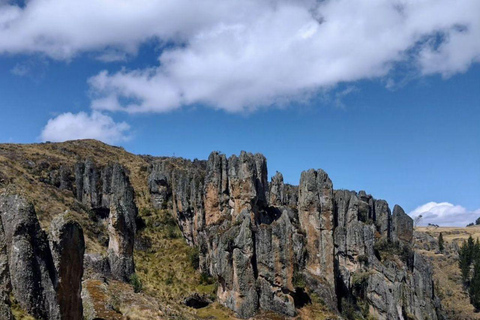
70,126
445,214
242,54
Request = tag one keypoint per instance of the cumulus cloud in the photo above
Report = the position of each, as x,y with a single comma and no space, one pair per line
239,55
70,126
445,214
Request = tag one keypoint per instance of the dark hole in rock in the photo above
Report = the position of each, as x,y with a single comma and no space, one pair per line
196,301
101,213
140,223
300,298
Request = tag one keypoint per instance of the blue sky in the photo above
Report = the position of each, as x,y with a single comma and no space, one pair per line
379,96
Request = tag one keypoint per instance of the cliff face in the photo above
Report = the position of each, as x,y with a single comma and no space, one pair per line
272,246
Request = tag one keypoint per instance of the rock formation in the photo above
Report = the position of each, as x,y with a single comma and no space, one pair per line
107,191
68,247
45,281
31,266
402,225
270,245
5,287
315,211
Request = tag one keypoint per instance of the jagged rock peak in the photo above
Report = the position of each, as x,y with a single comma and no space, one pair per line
277,190
402,225
248,182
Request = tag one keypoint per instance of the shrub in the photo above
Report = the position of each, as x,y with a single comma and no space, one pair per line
172,232
205,279
360,282
441,244
169,279
194,258
298,279
363,259
136,283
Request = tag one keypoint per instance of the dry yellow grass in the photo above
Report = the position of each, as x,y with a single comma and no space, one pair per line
447,274
452,234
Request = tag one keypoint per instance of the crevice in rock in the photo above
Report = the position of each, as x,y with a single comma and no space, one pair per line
300,298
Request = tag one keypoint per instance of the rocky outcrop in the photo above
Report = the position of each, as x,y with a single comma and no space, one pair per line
5,287
107,192
270,245
68,247
120,243
159,185
402,225
315,212
121,223
31,267
216,191
45,280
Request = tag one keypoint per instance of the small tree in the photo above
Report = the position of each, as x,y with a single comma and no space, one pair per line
464,262
417,220
136,283
477,222
475,286
441,245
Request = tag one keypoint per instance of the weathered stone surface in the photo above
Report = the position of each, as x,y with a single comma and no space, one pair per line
235,269
276,263
120,243
383,218
291,196
159,185
216,189
87,183
315,206
277,190
5,287
31,268
108,192
247,182
187,199
96,266
402,225
68,248
179,184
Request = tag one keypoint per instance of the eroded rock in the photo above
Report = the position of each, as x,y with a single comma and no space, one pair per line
31,267
316,206
68,248
402,225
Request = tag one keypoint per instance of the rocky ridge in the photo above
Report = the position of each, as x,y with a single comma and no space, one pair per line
272,246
